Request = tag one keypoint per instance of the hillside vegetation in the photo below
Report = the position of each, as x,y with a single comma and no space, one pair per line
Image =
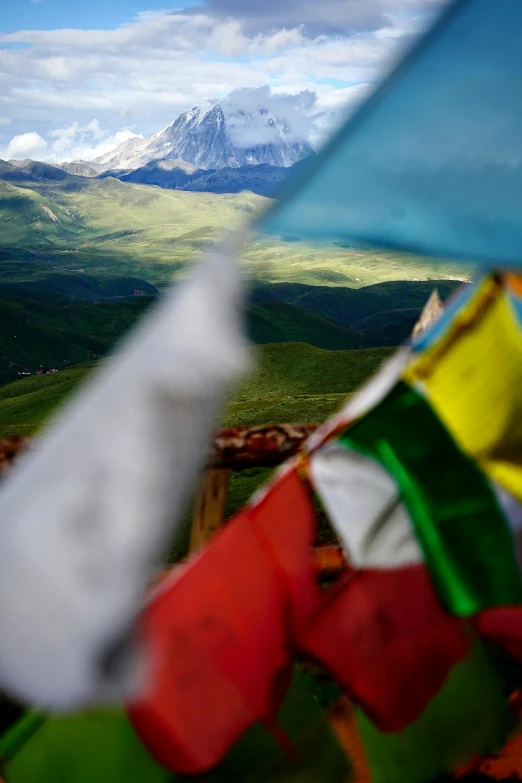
288,382
105,227
82,258
42,329
26,404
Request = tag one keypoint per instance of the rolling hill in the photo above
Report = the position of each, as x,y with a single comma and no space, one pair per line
26,404
104,227
390,302
289,382
49,332
60,320
277,322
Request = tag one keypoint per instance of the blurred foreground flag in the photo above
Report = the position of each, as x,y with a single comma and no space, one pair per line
431,162
89,512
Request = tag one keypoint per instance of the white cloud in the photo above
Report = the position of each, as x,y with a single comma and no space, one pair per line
229,40
331,17
334,107
26,145
294,112
144,73
69,143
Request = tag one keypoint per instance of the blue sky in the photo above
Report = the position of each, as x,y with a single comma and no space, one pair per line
55,14
77,78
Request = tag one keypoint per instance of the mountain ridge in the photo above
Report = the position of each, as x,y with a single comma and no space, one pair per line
261,178
212,136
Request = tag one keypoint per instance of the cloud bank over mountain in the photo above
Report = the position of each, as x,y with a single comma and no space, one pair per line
75,141
254,117
313,61
328,17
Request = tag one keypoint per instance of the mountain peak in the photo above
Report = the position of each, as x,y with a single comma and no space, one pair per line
200,111
124,154
214,135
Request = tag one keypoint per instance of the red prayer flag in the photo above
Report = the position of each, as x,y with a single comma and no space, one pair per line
387,641
218,634
502,626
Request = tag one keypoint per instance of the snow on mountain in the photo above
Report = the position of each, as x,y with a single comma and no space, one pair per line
214,135
87,163
79,169
123,156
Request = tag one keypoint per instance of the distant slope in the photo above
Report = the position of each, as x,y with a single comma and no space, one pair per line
78,287
63,319
50,333
106,227
277,322
32,171
348,306
173,174
379,315
262,179
79,169
290,382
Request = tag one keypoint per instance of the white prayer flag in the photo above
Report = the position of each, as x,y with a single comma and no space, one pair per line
88,513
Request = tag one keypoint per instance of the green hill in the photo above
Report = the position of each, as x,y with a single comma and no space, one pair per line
387,318
50,332
348,306
40,328
297,382
277,322
288,382
107,227
26,404
297,369
340,318
89,288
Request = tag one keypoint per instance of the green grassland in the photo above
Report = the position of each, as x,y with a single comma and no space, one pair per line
287,382
46,331
25,405
347,306
74,252
109,228
42,329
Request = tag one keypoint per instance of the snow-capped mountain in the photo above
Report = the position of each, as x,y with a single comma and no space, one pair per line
214,136
122,157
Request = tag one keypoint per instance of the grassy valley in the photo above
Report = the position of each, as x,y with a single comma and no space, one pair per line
42,329
107,228
81,259
288,382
